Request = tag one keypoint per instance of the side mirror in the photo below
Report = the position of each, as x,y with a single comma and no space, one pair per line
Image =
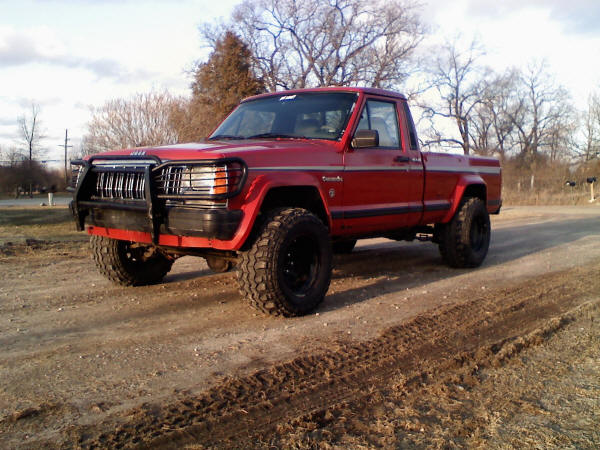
365,139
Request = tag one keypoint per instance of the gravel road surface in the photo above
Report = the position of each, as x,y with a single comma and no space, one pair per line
403,352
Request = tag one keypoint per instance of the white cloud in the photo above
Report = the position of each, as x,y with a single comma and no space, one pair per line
577,16
516,32
41,46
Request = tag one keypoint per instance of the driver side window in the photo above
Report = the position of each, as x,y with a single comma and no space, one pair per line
382,117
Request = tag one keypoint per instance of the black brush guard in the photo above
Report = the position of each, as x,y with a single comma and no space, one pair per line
150,211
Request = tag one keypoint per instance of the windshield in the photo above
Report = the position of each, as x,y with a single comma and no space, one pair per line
295,116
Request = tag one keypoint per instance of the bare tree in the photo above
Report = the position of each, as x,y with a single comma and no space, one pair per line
306,43
18,172
491,130
30,133
459,83
13,170
542,115
142,120
517,112
30,130
590,147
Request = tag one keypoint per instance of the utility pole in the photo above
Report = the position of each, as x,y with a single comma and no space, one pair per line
66,146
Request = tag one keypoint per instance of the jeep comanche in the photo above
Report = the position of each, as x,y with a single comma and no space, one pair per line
284,181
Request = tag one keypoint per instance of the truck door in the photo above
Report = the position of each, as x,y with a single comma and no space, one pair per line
382,184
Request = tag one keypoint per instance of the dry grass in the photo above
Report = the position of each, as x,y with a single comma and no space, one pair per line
546,184
575,196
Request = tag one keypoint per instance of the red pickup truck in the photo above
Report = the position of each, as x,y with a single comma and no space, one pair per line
284,181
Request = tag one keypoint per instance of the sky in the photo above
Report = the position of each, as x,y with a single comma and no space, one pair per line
69,56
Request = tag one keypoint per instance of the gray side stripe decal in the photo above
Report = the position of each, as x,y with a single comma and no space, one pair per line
471,169
338,168
298,168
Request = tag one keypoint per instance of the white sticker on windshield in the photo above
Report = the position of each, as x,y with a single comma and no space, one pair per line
286,97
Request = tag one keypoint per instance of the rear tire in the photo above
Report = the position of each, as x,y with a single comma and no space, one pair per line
464,242
129,264
287,269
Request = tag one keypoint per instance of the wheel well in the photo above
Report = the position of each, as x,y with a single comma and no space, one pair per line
476,190
306,197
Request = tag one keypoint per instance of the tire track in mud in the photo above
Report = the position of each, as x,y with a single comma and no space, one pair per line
481,332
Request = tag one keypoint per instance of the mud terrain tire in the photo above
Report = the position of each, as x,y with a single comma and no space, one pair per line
287,269
127,265
343,247
464,242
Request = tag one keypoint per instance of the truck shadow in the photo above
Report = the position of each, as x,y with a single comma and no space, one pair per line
188,271
379,267
397,266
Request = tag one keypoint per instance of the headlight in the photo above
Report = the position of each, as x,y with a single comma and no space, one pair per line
215,180
209,180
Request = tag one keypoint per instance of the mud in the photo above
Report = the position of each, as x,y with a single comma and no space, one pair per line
314,391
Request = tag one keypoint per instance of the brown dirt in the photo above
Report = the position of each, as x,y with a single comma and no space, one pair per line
403,353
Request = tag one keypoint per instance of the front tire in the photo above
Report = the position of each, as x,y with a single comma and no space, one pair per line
287,269
464,242
127,263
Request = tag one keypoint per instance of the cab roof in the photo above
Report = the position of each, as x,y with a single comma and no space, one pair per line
364,90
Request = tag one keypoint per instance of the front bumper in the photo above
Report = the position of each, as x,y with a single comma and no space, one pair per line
177,220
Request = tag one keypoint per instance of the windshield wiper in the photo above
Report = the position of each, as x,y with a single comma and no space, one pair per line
225,136
276,135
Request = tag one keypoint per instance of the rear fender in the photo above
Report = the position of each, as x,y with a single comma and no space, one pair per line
473,186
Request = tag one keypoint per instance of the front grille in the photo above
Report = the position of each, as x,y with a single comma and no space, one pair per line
120,185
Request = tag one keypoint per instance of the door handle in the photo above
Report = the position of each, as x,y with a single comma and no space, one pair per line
402,159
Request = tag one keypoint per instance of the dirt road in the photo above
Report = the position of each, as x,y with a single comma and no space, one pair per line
403,352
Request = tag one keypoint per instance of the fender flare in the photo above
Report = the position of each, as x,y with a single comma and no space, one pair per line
260,187
464,182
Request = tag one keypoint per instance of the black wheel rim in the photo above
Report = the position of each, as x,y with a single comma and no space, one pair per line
479,233
300,264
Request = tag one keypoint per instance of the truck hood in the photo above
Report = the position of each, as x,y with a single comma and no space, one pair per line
248,150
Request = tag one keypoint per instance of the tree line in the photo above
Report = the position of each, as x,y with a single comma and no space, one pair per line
22,172
522,115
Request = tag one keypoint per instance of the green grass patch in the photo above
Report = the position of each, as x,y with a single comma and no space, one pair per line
31,215
41,223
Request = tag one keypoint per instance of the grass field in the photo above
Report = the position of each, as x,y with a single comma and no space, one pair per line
18,224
